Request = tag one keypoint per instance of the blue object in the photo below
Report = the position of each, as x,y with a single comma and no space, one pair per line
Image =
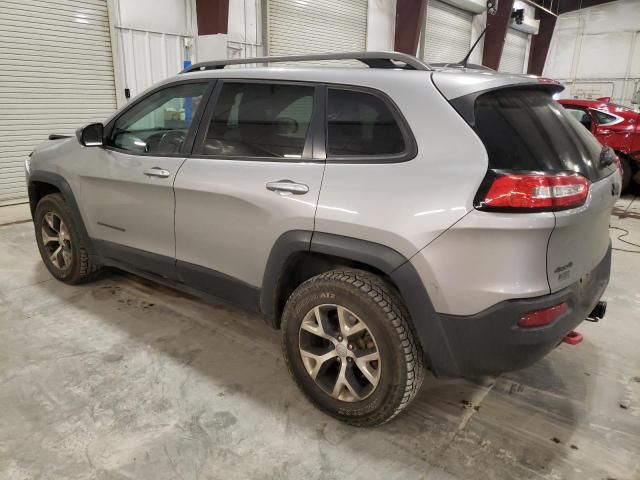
188,101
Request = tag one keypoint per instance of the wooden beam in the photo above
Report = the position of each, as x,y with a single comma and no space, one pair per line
540,42
409,20
496,31
213,16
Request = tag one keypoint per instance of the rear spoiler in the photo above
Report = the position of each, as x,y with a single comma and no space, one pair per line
465,105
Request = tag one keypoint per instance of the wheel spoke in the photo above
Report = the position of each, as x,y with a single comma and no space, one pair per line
315,360
344,381
363,361
55,256
47,239
63,233
50,219
349,325
66,256
370,373
315,322
342,320
368,355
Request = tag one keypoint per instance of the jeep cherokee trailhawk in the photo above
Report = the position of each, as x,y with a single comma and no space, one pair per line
384,218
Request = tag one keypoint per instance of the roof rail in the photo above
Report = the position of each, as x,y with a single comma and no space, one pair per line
371,59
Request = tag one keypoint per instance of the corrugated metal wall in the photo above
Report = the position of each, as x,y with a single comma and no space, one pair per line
56,74
297,27
149,57
514,52
447,32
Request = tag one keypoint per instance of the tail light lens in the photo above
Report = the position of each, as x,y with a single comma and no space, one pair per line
532,191
540,318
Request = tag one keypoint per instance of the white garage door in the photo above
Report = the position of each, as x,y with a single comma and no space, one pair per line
514,51
302,27
447,32
56,74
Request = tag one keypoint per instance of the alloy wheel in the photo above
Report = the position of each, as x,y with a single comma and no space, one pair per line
339,353
56,240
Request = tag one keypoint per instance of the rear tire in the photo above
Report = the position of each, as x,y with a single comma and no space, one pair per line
59,242
362,364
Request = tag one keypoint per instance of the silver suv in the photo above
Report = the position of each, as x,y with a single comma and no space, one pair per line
384,218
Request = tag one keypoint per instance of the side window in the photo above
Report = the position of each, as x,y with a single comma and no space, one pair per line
158,124
604,118
581,115
360,123
260,120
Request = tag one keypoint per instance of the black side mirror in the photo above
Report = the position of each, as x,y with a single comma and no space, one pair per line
91,135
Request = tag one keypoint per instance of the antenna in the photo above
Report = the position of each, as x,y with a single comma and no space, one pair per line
465,60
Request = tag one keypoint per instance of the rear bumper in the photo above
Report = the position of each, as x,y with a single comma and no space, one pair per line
491,342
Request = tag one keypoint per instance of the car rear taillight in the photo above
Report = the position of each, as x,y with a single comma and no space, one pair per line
540,318
532,191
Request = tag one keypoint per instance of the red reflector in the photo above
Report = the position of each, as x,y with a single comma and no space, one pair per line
572,338
536,190
539,318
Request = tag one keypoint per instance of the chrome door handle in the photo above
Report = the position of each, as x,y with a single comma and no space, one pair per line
287,186
157,172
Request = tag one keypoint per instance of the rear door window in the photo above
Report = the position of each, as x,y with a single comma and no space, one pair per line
525,129
260,120
361,124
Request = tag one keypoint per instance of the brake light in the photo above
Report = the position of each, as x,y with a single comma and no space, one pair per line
532,191
540,318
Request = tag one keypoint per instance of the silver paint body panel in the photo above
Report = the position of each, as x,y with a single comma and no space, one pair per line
227,220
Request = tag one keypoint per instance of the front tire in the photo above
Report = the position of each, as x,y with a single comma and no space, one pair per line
350,347
59,242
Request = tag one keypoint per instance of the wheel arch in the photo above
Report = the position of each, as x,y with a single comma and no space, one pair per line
286,269
45,183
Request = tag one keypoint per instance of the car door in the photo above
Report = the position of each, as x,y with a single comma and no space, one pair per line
253,176
127,186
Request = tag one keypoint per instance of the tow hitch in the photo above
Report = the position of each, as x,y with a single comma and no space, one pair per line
598,312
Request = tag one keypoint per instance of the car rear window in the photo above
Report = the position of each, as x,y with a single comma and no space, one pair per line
361,124
525,129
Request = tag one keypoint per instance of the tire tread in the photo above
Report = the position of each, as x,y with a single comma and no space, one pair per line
386,297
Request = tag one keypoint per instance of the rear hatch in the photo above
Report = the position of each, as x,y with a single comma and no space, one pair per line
524,129
529,135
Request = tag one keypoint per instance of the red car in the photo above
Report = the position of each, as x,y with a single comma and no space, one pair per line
615,126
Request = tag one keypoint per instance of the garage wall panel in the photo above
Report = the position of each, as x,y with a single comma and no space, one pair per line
447,32
514,52
149,57
298,27
57,74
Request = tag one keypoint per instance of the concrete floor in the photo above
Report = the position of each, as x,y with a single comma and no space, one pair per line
122,379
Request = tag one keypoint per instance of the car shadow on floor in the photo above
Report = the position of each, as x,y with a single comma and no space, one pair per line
503,425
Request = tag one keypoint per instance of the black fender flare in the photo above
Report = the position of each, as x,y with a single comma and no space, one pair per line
61,184
426,321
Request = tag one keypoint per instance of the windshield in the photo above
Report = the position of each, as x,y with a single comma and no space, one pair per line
525,129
